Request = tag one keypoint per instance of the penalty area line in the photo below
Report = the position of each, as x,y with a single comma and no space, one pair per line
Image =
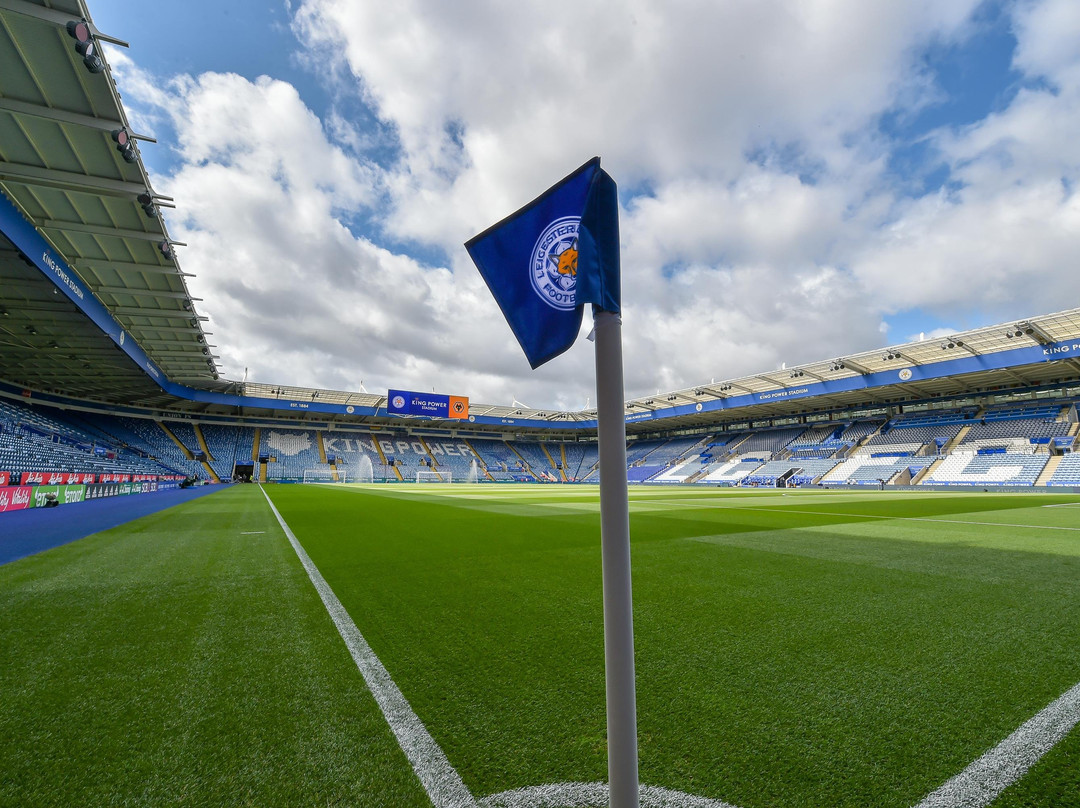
980,783
439,778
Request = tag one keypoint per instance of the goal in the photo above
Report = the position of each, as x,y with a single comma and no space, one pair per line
434,476
325,476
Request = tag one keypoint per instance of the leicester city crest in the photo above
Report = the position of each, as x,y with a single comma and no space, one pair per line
553,265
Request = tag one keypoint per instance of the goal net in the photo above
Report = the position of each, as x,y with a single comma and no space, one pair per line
434,477
325,476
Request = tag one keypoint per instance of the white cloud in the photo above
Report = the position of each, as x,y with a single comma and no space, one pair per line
760,226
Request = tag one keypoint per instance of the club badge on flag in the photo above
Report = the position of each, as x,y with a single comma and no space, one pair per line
544,262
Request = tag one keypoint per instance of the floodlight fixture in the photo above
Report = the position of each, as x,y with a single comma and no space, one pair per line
146,201
125,145
166,249
86,45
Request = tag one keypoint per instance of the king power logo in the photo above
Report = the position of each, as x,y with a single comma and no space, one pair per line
553,265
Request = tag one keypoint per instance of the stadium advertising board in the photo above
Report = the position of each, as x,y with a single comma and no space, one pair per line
429,405
118,489
15,498
65,494
5,478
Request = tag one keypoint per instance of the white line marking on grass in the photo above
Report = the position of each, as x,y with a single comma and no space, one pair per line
439,778
980,783
252,532
592,795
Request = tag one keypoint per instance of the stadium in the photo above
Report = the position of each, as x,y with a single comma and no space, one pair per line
854,578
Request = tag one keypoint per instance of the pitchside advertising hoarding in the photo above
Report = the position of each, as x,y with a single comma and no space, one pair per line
20,497
427,405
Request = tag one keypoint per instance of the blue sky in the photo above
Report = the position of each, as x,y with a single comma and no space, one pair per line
799,179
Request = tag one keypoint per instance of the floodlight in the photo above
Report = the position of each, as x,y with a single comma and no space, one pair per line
85,45
147,203
166,249
124,145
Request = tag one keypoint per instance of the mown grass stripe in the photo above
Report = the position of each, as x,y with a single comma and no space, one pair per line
439,778
782,510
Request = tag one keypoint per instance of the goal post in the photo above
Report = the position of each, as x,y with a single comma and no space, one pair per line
434,476
325,475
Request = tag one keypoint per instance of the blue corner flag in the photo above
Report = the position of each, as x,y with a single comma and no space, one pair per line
547,260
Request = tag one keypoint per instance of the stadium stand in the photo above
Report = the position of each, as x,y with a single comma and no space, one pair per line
535,458
500,461
293,451
988,468
1004,444
866,469
800,471
38,440
663,456
147,433
770,441
1068,471
581,459
228,445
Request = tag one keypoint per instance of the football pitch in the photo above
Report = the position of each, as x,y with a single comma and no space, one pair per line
443,644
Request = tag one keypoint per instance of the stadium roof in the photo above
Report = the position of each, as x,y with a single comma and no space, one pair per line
980,344
60,166
61,169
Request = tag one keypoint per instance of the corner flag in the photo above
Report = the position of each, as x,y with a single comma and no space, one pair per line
543,264
547,260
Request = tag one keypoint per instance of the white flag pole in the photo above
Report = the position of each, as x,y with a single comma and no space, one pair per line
615,548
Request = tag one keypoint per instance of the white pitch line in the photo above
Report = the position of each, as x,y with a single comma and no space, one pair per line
439,778
593,795
980,783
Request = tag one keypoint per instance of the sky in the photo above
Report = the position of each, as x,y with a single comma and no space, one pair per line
798,179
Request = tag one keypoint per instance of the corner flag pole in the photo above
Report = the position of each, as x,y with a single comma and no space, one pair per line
615,549
543,263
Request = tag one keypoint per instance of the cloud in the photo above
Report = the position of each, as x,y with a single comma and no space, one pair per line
761,225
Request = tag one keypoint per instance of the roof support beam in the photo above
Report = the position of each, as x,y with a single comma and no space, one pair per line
97,230
134,311
126,266
68,180
123,290
190,329
61,115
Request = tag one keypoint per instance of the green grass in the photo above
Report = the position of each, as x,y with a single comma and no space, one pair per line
177,661
819,648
